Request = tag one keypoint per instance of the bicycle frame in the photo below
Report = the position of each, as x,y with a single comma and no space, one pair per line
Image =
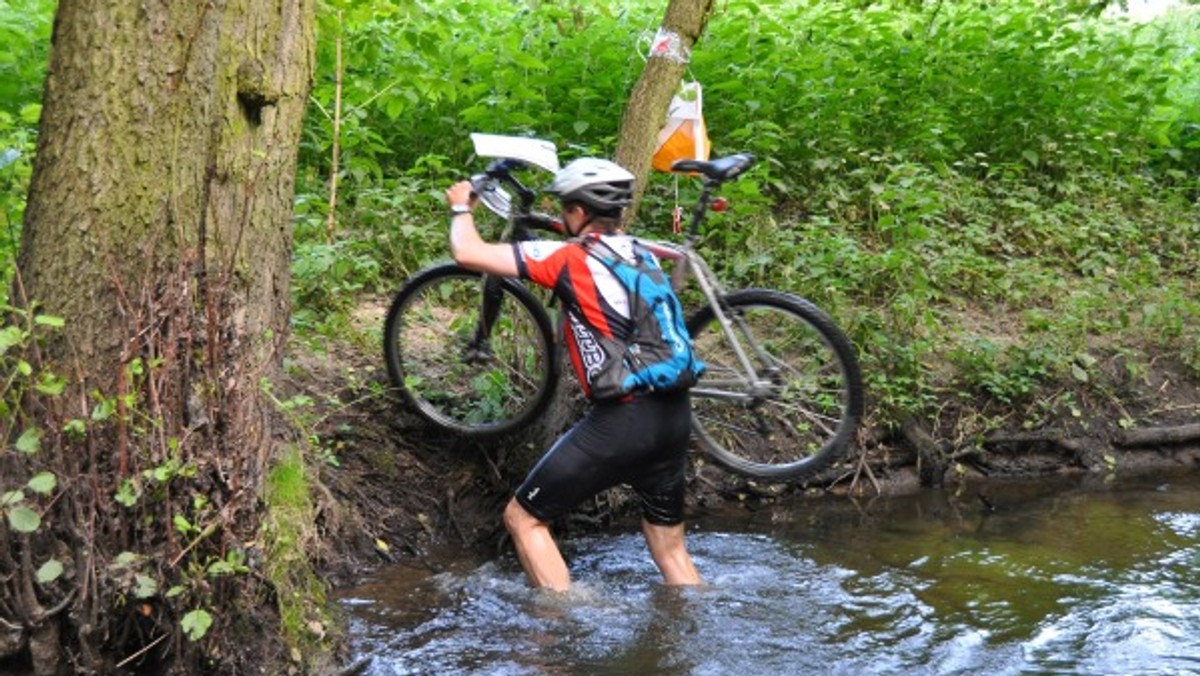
523,222
783,392
688,260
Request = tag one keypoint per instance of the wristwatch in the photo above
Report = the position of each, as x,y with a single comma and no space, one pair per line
456,209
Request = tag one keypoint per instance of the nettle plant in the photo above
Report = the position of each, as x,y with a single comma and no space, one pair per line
28,488
50,475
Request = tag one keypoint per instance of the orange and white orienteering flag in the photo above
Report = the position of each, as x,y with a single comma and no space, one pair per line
684,137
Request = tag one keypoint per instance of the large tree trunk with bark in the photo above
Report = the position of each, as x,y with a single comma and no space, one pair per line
646,111
158,227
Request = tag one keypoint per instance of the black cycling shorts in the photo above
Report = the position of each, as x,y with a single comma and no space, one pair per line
642,443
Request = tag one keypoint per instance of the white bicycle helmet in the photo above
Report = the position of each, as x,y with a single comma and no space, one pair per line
598,183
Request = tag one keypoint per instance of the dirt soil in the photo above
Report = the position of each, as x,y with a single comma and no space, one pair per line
399,488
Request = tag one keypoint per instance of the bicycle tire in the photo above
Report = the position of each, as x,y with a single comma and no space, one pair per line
450,380
799,423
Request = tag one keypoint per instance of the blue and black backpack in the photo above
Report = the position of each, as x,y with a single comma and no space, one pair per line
658,354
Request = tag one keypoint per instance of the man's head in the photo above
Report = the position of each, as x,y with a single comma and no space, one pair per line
593,191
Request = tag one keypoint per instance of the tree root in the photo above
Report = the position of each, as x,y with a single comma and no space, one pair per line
1157,436
864,467
933,456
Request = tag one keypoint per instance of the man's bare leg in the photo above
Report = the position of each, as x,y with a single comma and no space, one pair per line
538,553
670,554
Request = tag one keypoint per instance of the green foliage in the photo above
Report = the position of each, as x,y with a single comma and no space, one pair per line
24,495
1038,88
160,491
25,33
917,160
195,624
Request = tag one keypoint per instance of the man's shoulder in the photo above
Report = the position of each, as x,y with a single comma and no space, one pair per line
542,249
619,245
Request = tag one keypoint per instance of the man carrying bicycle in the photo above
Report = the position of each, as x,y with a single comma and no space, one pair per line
639,439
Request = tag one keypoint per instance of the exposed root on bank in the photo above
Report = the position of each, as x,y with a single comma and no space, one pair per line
1157,436
861,468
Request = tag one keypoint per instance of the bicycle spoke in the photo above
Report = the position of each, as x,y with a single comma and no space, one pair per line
453,375
797,410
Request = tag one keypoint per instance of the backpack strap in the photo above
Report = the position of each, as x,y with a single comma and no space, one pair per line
640,253
610,262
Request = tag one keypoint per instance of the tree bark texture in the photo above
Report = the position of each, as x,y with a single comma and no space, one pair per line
646,110
158,226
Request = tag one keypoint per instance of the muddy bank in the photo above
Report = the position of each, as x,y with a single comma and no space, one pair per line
399,488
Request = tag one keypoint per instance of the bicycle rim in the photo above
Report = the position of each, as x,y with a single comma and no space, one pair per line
805,408
447,375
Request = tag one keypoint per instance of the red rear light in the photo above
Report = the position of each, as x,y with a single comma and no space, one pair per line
720,204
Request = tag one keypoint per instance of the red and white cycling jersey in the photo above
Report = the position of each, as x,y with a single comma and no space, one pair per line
595,302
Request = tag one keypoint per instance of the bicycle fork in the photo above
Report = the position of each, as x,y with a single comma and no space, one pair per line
480,347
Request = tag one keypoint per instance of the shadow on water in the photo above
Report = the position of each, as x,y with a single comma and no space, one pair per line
1034,578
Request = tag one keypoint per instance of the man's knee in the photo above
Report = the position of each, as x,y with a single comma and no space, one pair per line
517,519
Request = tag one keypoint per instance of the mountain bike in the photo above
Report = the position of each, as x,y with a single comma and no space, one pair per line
476,355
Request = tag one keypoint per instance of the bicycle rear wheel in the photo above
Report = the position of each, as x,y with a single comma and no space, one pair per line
800,416
469,365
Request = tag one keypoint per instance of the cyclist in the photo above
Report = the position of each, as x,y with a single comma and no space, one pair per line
639,440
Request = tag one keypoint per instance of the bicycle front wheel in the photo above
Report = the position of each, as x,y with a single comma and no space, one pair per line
470,353
800,412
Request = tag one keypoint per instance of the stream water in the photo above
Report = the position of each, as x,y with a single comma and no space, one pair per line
1054,577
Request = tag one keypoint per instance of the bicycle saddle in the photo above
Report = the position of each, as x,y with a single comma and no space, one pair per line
721,169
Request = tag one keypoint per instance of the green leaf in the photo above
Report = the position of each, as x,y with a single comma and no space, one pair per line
1079,373
50,320
146,587
104,410
526,60
9,337
31,113
218,568
196,623
51,385
43,483
182,524
49,571
163,473
75,428
175,591
30,441
23,519
124,560
12,498
127,494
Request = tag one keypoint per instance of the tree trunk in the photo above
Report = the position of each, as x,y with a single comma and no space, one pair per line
158,227
646,111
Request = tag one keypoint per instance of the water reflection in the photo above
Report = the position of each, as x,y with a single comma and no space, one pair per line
1029,579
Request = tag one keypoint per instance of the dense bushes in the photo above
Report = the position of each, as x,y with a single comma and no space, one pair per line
984,193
